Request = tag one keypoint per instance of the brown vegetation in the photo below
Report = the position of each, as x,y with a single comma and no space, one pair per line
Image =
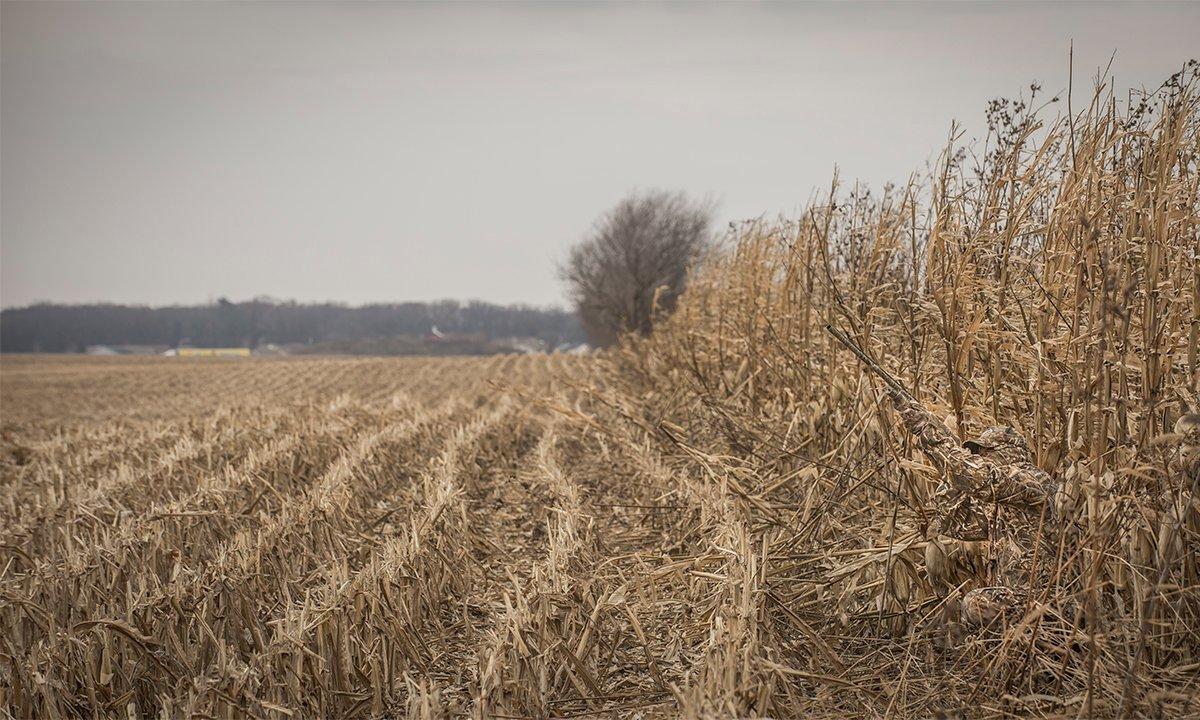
306,536
1054,294
734,516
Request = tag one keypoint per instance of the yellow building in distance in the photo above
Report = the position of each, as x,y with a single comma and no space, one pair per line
212,352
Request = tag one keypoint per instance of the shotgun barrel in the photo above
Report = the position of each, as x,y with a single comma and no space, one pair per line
892,383
936,440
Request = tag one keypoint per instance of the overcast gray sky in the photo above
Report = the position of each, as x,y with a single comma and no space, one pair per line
177,152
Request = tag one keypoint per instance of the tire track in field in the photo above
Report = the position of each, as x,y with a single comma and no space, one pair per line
314,538
570,640
368,623
503,513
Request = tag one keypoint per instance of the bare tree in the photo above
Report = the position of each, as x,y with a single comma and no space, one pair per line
637,254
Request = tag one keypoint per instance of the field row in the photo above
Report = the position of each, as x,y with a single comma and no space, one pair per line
376,552
61,392
443,548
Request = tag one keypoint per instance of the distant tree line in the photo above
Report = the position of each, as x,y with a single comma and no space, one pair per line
71,328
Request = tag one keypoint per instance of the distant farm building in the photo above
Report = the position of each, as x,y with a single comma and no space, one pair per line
123,349
211,352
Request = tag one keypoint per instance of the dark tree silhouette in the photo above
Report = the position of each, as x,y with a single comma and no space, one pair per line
635,262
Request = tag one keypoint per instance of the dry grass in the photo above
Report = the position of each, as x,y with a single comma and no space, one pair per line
728,518
1058,293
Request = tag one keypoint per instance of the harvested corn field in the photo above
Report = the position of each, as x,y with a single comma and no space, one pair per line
930,453
328,537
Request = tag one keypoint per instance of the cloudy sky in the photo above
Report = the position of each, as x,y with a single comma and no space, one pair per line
178,152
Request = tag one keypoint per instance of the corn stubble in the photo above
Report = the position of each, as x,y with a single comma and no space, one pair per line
735,516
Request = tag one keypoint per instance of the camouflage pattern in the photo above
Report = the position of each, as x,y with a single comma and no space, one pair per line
986,510
984,606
